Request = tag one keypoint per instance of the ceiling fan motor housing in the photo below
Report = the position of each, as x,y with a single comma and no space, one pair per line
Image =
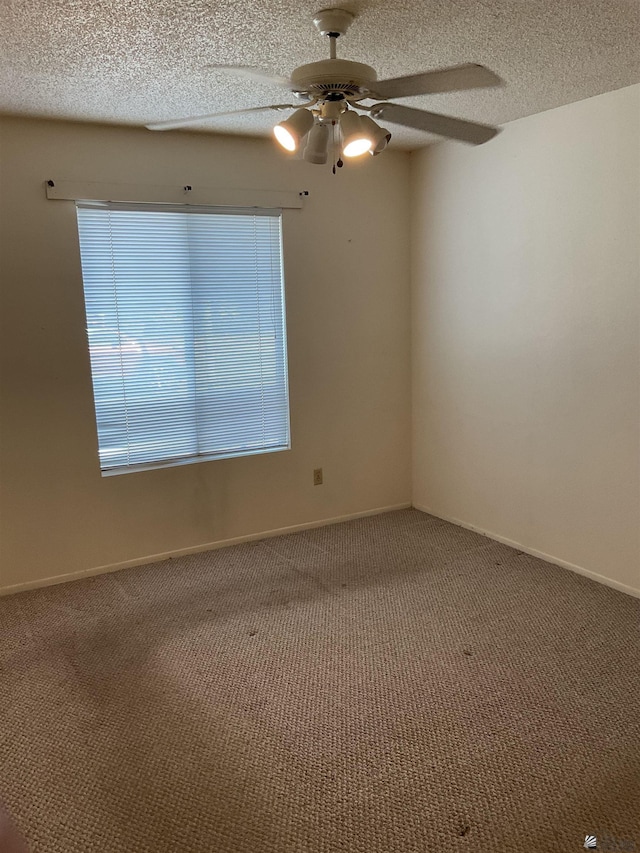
333,22
333,75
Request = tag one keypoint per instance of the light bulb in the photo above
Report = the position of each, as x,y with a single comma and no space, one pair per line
357,147
285,137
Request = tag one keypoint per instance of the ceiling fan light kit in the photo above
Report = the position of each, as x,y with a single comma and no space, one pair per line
317,147
379,136
334,89
355,139
292,131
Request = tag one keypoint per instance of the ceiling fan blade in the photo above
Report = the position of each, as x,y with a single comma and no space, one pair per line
453,128
252,74
432,82
186,122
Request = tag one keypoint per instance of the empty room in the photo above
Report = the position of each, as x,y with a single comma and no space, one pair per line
319,427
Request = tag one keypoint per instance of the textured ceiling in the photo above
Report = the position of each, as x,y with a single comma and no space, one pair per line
138,61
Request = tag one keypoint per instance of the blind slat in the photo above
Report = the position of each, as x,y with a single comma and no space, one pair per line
186,328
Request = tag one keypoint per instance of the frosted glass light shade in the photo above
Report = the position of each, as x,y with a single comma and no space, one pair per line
317,144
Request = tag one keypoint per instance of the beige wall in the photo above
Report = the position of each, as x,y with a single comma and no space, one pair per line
347,287
526,361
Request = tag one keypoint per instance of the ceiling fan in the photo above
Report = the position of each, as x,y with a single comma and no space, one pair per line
333,91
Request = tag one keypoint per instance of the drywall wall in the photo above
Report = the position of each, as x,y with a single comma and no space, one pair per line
346,260
526,310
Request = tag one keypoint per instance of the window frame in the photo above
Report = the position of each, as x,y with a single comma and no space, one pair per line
209,210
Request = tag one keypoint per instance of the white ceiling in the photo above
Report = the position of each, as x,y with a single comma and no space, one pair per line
138,61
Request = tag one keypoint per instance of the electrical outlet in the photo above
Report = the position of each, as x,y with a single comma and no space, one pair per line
317,476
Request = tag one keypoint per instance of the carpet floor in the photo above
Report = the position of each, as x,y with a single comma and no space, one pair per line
393,683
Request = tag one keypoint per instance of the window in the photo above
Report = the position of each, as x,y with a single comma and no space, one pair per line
186,327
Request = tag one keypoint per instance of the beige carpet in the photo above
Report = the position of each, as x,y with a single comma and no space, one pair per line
389,684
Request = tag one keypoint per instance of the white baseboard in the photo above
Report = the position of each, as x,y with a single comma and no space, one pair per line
621,587
181,552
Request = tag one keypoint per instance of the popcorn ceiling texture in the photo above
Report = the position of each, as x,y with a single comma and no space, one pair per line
138,61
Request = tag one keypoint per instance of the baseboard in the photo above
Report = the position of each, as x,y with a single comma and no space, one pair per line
549,558
196,549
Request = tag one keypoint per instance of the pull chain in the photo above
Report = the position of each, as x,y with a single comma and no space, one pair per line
333,145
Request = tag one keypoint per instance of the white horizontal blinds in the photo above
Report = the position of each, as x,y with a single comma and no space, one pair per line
239,361
139,321
185,315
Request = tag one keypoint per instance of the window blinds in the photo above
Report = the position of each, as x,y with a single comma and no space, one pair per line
186,328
